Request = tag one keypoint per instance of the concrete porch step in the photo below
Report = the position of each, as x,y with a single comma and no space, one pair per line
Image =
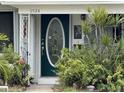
39,88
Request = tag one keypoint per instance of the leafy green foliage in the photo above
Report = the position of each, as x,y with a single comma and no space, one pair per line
11,70
4,70
86,27
105,40
99,16
69,89
18,75
74,67
4,66
3,37
4,40
84,67
101,64
10,55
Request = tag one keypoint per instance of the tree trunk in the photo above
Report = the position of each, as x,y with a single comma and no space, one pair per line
88,40
5,82
115,38
96,34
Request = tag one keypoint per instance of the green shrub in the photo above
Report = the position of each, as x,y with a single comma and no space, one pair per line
101,63
4,71
19,74
9,54
76,67
69,89
11,70
83,67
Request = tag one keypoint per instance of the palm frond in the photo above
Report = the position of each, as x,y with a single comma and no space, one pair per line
105,40
4,69
3,37
99,16
86,28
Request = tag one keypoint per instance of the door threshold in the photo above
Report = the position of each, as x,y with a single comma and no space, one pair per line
48,80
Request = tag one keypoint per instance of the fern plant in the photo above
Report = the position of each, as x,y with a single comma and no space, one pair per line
4,66
4,70
10,55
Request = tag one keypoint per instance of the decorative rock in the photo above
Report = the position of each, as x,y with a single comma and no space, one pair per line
1,82
90,88
119,89
75,85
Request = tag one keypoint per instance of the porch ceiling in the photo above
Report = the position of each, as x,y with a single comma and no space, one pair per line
61,2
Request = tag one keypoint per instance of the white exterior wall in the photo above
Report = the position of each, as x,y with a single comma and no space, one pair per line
34,46
37,62
34,28
16,31
31,44
76,20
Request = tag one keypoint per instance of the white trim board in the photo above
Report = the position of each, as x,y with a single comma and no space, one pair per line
16,31
48,80
70,32
33,2
7,8
67,9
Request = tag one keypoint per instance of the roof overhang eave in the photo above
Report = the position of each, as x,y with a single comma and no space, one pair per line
60,2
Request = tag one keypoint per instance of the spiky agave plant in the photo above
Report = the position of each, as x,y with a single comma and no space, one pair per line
105,40
86,29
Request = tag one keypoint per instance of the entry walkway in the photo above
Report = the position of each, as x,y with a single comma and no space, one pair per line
40,88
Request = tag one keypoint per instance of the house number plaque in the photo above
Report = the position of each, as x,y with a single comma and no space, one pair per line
35,10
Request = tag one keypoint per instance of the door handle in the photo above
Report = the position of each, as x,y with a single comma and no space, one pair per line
42,48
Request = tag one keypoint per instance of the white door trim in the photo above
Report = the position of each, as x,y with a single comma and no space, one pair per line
37,48
16,31
48,80
70,31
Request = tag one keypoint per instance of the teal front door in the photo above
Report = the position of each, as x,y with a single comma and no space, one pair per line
54,37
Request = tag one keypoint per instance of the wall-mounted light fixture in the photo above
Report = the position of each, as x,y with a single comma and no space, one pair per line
83,16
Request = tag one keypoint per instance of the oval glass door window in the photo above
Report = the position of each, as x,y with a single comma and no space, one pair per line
55,40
